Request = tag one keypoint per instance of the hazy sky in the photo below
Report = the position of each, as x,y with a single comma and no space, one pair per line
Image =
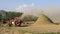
18,4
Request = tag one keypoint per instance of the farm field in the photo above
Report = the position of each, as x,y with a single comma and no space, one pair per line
28,30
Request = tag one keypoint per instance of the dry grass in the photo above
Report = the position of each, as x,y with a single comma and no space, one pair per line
19,30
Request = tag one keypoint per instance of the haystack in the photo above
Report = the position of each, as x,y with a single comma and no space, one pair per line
43,20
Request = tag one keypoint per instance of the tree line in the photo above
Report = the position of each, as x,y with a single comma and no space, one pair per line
9,15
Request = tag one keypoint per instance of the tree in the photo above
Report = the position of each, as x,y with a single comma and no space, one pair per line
0,17
10,15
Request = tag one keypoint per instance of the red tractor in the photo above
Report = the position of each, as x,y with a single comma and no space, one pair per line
16,22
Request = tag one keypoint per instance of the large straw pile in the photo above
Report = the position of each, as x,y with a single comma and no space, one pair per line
43,20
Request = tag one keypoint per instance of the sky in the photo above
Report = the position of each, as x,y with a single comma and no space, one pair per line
24,4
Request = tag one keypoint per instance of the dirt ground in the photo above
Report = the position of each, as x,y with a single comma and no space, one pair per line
12,30
29,30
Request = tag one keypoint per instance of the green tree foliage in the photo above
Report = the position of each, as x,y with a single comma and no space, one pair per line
10,15
0,17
